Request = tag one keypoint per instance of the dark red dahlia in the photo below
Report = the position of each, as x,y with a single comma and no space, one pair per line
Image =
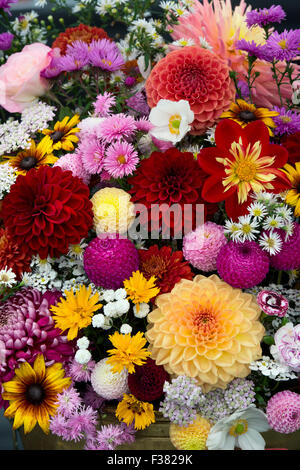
12,257
168,267
47,210
169,184
147,382
292,144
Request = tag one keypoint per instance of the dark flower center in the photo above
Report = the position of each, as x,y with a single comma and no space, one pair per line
56,136
247,116
35,394
298,187
28,162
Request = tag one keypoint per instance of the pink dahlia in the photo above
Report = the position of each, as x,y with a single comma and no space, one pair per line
242,265
289,256
196,75
73,163
109,261
201,247
121,159
283,412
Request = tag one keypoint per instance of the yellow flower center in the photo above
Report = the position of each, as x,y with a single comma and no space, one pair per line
4,278
239,427
246,170
174,123
121,159
246,228
77,249
285,118
106,62
282,44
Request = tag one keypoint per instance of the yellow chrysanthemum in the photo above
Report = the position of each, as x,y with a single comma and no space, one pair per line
191,437
76,311
205,329
243,113
139,289
113,211
33,157
129,350
130,409
32,394
293,195
63,134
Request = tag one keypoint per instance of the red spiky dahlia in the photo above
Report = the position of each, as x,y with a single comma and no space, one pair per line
47,210
12,257
81,32
196,75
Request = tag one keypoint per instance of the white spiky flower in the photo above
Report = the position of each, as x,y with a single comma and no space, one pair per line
270,242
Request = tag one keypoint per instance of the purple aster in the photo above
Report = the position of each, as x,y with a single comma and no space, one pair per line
53,69
288,122
79,50
83,422
69,63
5,5
251,48
243,86
128,433
104,103
283,46
121,159
138,104
118,126
6,41
91,398
106,55
265,16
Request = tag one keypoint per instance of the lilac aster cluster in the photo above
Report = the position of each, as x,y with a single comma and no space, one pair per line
253,49
182,398
287,123
282,46
138,104
111,436
265,16
6,41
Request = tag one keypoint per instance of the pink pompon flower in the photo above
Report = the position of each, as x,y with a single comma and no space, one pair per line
73,163
121,159
118,126
92,152
272,303
104,103
81,372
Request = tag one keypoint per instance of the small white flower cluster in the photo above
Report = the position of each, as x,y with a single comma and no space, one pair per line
116,306
36,117
8,177
266,214
176,8
28,29
210,135
272,369
83,355
7,277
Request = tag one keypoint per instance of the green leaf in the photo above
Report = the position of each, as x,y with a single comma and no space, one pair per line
268,340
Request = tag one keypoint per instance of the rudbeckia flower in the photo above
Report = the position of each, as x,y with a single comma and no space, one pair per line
63,134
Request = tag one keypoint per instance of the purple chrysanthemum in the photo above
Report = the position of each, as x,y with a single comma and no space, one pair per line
251,48
119,126
91,398
265,16
104,103
79,50
121,159
6,41
283,46
105,55
287,123
5,5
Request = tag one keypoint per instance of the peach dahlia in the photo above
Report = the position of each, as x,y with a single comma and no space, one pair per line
205,329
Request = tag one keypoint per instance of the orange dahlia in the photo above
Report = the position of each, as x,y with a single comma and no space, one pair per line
82,32
205,329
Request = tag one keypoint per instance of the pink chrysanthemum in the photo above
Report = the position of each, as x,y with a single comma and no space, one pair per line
104,103
92,150
143,124
283,412
242,265
201,246
289,256
118,126
121,159
73,162
81,372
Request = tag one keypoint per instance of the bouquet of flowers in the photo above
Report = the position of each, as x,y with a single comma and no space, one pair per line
150,237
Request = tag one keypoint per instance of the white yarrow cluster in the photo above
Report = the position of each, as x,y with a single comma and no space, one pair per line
272,369
8,177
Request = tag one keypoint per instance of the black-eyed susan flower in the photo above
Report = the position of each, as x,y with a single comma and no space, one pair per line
293,195
63,135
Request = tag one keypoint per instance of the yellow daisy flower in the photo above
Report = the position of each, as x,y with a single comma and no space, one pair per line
130,409
129,350
76,311
32,394
139,289
293,195
34,157
63,134
243,113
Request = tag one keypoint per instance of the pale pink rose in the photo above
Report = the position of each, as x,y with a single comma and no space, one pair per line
20,79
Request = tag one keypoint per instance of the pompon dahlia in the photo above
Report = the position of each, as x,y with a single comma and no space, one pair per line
191,437
196,75
147,382
108,384
167,266
11,256
242,265
201,246
170,182
289,256
82,32
46,211
205,329
283,412
222,26
27,329
109,261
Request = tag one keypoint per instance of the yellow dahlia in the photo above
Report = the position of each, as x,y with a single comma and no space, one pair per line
130,409
129,350
293,195
32,394
139,289
191,437
113,211
205,329
76,311
63,135
243,113
33,157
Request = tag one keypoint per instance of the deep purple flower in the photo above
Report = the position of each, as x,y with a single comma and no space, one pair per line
265,16
6,41
53,70
243,86
105,55
5,5
130,81
283,46
272,303
288,122
251,48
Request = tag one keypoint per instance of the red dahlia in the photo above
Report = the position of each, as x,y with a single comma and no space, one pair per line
292,144
168,267
82,32
47,210
11,256
171,181
147,382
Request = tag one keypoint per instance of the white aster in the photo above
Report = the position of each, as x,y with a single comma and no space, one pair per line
233,229
270,242
210,135
7,277
171,120
273,222
182,42
257,210
248,228
204,43
104,6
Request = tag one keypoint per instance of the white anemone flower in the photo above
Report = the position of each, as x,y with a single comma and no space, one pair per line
241,429
171,120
